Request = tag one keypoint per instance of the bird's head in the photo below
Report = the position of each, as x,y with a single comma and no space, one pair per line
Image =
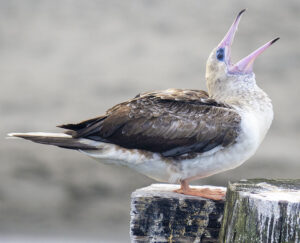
221,74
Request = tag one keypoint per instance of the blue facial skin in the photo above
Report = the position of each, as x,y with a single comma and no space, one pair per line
220,54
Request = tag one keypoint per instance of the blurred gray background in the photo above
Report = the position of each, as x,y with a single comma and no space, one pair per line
64,61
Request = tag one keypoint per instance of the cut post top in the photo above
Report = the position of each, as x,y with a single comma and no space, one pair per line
268,189
167,190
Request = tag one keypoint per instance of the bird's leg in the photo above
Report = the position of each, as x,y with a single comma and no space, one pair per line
214,194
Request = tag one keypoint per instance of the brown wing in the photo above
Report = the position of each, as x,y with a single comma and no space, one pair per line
172,122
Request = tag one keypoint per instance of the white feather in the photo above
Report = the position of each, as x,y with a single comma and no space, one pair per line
41,134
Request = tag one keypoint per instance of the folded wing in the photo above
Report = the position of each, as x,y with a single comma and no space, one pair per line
172,122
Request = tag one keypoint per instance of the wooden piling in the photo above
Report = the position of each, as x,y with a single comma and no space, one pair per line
160,215
256,210
262,210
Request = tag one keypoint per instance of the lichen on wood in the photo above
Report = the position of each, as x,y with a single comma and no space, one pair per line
160,215
261,210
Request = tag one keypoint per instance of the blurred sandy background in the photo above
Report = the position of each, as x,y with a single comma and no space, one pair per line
64,61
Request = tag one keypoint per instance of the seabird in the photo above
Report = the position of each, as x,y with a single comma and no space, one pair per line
180,135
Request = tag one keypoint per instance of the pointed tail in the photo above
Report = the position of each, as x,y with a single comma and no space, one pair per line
57,139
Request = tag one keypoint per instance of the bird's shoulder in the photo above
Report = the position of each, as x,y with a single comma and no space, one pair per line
165,98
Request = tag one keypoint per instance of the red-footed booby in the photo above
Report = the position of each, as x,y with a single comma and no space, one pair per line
180,135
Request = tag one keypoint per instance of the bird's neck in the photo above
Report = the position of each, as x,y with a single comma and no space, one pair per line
244,97
238,90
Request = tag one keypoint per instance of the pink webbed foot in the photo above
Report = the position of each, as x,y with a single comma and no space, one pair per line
214,194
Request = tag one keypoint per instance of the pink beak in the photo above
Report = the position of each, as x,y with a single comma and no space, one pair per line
245,65
228,39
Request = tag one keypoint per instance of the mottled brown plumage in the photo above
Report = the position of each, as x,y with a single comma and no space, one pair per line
172,122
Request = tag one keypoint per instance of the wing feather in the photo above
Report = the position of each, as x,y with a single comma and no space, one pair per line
172,122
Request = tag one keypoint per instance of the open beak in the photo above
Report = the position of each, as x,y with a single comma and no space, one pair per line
245,65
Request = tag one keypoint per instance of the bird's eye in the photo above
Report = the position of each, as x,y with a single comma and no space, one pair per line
220,54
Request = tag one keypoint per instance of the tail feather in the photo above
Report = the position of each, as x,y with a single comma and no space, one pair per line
57,139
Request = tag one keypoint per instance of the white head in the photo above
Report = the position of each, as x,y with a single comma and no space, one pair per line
221,75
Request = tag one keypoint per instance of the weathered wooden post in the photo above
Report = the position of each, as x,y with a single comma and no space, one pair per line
262,210
160,215
257,210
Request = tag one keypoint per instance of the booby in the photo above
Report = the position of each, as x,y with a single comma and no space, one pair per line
180,135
